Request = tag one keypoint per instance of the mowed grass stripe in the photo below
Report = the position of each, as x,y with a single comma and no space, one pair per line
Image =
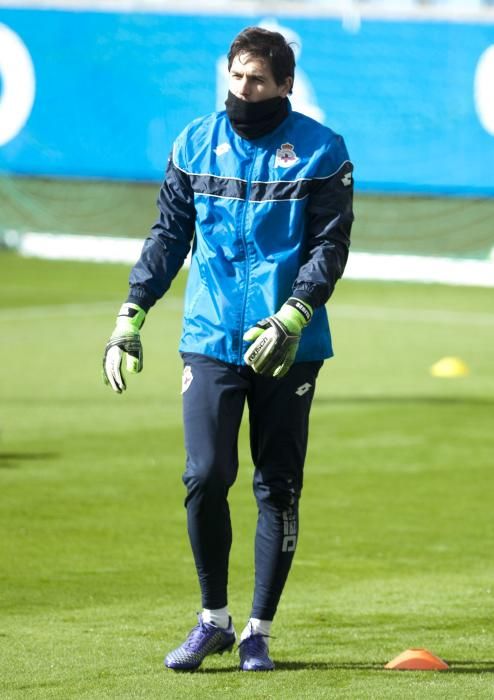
60,311
371,313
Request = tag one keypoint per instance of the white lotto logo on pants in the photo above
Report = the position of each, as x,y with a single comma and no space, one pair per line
18,84
303,389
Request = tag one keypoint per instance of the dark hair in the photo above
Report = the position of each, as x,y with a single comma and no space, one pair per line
272,46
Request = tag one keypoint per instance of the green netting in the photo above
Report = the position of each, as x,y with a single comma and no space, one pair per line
451,227
79,207
457,227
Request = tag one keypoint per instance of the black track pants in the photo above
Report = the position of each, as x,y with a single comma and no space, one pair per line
213,402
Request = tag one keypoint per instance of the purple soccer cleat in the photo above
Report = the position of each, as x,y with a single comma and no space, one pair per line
254,654
203,640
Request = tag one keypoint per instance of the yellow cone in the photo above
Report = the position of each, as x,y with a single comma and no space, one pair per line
449,367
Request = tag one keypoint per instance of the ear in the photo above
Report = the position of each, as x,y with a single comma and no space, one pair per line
286,86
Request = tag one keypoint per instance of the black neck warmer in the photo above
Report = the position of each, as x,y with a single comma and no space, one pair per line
251,120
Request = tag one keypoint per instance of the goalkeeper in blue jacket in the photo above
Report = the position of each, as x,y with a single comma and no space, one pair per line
263,196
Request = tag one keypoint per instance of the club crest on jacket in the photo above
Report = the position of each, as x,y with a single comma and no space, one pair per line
285,156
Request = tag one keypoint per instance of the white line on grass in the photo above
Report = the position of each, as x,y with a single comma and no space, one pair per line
376,313
40,313
375,266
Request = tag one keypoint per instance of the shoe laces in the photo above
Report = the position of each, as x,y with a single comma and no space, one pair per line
196,634
256,644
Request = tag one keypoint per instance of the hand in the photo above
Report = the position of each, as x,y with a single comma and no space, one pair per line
274,340
125,338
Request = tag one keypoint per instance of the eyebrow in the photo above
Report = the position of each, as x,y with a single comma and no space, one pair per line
249,75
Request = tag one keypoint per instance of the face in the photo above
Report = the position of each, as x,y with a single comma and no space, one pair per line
251,79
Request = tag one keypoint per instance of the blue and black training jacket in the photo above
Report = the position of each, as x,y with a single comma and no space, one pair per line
267,219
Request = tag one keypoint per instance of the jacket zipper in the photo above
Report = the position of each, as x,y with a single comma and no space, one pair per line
246,251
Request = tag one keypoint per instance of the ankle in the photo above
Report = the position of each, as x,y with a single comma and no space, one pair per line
218,616
256,626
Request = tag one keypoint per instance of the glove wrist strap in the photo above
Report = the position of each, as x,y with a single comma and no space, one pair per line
302,307
131,317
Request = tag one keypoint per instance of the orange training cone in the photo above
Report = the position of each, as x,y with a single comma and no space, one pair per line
417,660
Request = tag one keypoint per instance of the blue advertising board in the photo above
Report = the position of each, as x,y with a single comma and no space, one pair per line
103,95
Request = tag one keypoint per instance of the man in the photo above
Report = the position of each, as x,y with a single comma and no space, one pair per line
264,196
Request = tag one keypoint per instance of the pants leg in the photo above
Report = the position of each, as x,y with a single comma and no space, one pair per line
279,426
213,401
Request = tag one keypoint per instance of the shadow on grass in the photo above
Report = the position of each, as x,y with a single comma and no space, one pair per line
328,666
10,460
432,400
457,667
307,666
471,666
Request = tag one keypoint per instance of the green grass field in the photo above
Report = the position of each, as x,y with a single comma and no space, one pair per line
397,524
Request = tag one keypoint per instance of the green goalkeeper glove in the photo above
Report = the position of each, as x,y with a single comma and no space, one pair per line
125,338
275,339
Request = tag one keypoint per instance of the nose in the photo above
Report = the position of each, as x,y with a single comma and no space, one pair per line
244,87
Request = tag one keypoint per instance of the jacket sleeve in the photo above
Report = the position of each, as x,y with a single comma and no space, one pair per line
329,222
168,244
